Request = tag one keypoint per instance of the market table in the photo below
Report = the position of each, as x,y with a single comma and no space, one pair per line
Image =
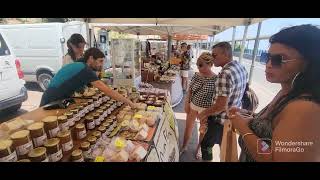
163,146
174,87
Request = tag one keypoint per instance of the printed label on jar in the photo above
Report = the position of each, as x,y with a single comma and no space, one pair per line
64,126
86,153
39,141
46,160
77,118
91,125
56,156
105,114
101,118
82,113
82,134
24,149
10,158
71,121
67,146
97,121
53,132
96,104
79,160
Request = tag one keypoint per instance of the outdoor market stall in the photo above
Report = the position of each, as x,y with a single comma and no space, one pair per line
94,128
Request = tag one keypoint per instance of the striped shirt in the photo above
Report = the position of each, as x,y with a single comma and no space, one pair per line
231,82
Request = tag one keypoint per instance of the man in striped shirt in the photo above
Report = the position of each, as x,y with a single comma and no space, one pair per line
230,87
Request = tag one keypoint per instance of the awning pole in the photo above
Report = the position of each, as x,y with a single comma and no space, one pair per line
255,50
243,41
169,47
233,37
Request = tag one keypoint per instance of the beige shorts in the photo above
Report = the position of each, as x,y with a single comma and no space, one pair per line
184,73
203,125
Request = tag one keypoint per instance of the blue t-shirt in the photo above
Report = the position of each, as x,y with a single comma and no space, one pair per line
70,78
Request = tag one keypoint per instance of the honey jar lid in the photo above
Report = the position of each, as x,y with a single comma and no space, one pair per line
96,133
50,119
95,115
62,117
69,113
5,144
52,142
84,103
106,124
95,97
92,139
80,126
63,133
89,117
80,107
39,151
99,111
76,152
85,144
90,100
102,128
75,110
35,126
20,134
24,160
102,107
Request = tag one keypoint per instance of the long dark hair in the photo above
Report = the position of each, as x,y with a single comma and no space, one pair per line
306,40
76,40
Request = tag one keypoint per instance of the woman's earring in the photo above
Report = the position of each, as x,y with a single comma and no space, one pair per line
294,79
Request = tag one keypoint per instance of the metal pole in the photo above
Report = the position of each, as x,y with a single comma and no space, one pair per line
243,41
169,47
233,37
254,55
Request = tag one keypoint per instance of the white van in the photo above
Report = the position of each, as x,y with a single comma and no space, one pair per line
41,47
12,90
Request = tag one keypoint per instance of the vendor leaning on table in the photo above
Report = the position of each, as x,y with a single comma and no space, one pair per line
73,77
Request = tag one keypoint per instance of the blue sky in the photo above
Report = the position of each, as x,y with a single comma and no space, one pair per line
269,27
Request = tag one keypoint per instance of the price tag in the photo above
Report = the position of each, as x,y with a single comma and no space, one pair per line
119,143
151,108
137,116
99,159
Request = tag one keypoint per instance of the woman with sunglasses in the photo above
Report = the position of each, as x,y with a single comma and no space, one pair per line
288,128
199,97
75,44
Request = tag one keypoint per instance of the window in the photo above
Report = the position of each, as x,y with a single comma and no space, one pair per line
4,50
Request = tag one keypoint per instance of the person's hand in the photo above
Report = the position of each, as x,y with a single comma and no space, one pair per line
204,115
187,108
238,122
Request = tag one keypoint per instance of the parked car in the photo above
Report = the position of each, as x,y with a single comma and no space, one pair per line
12,90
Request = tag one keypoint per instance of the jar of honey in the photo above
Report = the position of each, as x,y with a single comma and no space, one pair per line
54,150
97,134
76,156
76,114
65,141
38,154
63,122
96,117
22,143
7,152
71,119
92,140
86,149
90,124
103,130
80,131
51,126
37,133
85,107
24,160
91,104
81,111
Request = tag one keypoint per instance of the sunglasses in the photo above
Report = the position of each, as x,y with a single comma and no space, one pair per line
277,60
201,64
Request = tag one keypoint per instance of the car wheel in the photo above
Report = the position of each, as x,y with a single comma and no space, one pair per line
44,80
